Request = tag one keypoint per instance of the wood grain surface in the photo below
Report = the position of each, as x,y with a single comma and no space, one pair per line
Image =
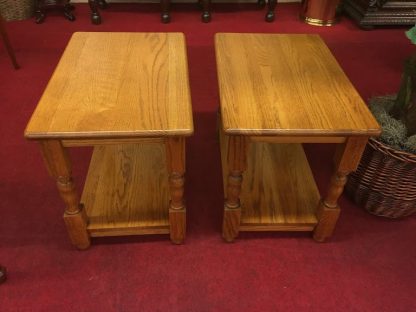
175,155
278,190
110,85
59,166
286,85
127,191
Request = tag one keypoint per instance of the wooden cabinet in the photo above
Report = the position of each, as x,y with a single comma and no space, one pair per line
370,13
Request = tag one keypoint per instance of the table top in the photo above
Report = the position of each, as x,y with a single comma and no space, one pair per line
286,85
111,85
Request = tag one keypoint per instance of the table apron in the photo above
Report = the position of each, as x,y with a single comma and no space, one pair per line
298,139
93,142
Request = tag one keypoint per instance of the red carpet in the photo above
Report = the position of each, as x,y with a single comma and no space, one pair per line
369,265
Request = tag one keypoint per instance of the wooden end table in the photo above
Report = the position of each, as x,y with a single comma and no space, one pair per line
126,94
285,89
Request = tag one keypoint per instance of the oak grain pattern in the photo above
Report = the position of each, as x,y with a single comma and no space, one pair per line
278,189
111,85
286,85
127,191
59,166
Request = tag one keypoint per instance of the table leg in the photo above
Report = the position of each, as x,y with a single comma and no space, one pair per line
237,163
165,16
68,7
206,11
175,152
347,158
95,14
59,166
102,4
39,12
270,10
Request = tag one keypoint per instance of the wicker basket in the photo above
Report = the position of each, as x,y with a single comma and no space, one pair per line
385,181
16,9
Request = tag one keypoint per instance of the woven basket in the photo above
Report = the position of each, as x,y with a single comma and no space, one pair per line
16,9
385,181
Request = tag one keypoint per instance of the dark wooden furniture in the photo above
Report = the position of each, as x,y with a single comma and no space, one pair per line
206,9
95,13
6,41
204,4
95,5
271,6
129,97
270,106
370,13
42,5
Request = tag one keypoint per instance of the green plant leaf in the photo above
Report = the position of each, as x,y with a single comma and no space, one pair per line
411,34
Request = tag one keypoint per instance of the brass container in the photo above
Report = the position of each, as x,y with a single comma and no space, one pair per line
319,12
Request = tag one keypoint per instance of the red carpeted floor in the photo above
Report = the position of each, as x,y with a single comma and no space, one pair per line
369,265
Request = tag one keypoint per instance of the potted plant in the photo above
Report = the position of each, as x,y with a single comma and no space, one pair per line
385,181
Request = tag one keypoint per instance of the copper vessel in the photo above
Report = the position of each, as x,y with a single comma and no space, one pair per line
319,12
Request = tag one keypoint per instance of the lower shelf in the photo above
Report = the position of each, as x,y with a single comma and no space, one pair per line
126,191
278,191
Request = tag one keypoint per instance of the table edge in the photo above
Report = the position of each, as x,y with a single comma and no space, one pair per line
302,132
108,135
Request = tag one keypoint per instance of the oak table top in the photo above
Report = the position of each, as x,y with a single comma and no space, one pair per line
291,85
113,85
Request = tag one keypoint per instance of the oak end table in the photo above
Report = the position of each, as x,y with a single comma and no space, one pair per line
278,92
127,95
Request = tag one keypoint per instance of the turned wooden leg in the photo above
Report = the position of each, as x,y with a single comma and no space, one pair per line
328,209
237,163
7,44
39,12
59,166
270,11
95,14
165,15
175,152
206,11
347,158
68,12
